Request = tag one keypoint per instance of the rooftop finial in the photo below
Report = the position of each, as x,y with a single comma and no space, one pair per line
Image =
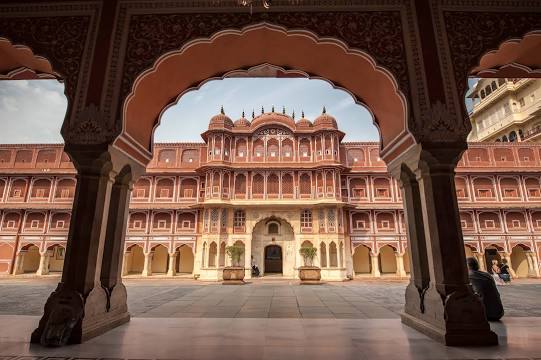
222,110
284,110
272,110
253,114
302,114
293,115
243,113
324,110
262,110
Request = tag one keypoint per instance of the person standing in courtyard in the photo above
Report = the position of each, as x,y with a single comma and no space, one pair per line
484,286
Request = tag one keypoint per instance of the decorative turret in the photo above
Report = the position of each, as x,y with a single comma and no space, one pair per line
303,123
242,122
220,121
325,120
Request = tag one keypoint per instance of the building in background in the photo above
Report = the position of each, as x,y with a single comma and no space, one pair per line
273,185
506,110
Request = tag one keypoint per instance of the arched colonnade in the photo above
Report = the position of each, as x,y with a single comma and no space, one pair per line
118,88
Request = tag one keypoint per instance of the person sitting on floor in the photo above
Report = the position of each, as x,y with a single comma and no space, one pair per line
484,286
504,272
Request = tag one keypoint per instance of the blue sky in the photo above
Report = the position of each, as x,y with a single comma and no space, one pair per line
33,111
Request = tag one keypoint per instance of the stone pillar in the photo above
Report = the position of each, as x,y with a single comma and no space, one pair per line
171,271
447,309
248,260
400,270
125,269
19,262
43,268
374,260
147,266
115,235
79,308
481,260
533,267
328,256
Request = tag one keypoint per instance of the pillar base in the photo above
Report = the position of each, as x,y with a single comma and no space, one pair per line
456,337
455,320
70,319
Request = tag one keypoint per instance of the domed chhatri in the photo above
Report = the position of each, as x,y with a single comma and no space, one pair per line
242,122
303,122
325,120
273,117
220,121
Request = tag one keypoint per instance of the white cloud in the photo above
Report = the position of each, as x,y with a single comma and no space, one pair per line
32,111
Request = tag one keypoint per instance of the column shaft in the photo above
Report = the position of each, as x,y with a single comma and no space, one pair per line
400,270
374,260
147,266
171,271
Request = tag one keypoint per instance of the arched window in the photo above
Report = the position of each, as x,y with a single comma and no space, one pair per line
240,186
304,148
241,150
287,149
323,254
272,149
287,185
258,185
273,185
259,149
188,188
273,228
305,187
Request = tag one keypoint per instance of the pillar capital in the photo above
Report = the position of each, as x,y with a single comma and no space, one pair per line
427,158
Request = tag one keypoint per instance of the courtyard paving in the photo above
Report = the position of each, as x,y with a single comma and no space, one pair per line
155,298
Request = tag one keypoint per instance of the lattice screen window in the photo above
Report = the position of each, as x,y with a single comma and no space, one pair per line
287,184
214,217
306,218
305,184
321,219
331,219
224,218
206,220
240,184
239,218
273,185
258,186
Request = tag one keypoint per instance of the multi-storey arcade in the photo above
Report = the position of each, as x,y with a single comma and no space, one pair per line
271,185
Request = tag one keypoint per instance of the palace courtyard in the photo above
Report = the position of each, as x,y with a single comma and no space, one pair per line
261,298
266,319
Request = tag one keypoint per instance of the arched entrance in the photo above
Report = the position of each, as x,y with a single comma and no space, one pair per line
31,257
273,247
273,259
361,260
492,253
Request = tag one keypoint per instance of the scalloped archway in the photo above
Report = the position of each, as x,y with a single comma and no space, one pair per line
18,62
179,71
514,58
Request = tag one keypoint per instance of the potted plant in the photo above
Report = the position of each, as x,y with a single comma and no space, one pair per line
309,274
234,274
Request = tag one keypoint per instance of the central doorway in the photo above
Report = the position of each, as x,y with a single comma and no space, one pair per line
273,259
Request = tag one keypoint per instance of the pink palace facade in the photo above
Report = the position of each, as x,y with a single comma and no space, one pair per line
271,185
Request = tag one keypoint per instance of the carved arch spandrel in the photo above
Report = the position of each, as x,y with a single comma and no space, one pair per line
492,36
290,48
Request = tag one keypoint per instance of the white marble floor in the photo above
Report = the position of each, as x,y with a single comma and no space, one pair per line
253,339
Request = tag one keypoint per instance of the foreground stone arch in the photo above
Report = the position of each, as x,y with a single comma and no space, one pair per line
301,50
